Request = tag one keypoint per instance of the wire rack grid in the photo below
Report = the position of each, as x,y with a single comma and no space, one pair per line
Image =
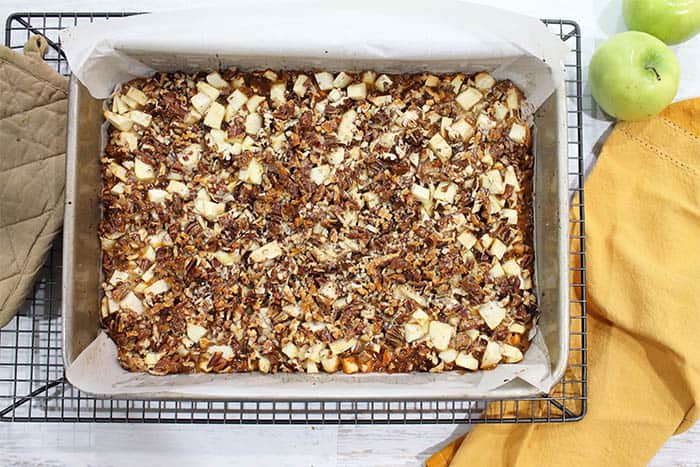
32,382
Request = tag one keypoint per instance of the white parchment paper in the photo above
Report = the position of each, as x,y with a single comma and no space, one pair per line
389,36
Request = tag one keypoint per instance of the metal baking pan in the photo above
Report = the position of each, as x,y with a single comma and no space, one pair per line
82,277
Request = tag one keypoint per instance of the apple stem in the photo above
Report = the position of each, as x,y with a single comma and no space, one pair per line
658,78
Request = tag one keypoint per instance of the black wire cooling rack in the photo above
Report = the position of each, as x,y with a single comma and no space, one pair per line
33,386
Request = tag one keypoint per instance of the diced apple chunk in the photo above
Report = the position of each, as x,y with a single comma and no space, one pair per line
493,182
215,115
300,85
492,355
195,332
320,174
337,156
496,271
215,80
252,173
456,83
158,287
253,123
324,80
253,102
511,354
419,316
129,102
330,363
118,171
484,81
119,122
369,77
518,133
512,99
440,147
237,100
448,356
156,195
144,172
118,189
446,192
486,240
137,95
473,334
463,129
467,361
492,313
341,345
382,83
335,95
208,89
467,239
413,332
290,350
498,249
357,91
207,208
511,215
118,105
192,117
278,142
226,258
440,334
468,98
129,140
311,367
151,359
277,92
271,75
431,81
264,365
342,80
140,118
268,251
131,302
118,276
201,102
346,127
511,178
380,100
511,268
500,111
189,157
225,350
423,195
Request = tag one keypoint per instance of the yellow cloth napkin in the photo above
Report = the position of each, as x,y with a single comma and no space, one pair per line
643,284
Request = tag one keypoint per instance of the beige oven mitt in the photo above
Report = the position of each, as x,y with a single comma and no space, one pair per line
33,105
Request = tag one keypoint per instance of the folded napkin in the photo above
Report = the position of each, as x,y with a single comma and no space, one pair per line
643,283
33,105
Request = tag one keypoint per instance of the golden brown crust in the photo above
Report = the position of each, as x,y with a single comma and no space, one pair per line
348,222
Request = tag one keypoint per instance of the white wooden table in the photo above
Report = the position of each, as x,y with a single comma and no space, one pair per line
78,445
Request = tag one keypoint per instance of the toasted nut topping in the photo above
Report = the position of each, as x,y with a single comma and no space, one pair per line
279,221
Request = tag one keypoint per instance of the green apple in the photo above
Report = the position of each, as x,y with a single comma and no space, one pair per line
672,21
633,75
